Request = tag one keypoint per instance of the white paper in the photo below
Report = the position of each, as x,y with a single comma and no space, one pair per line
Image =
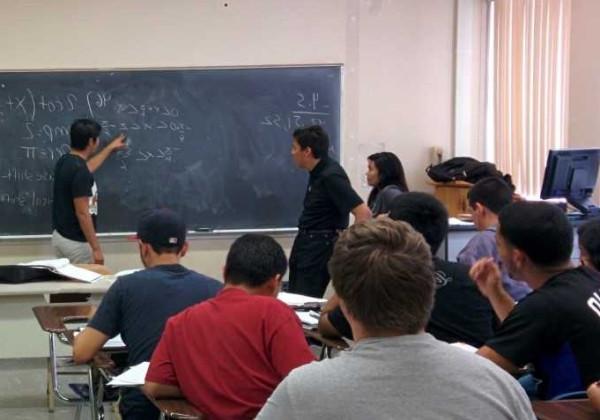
134,376
293,299
465,346
112,343
308,318
127,272
453,221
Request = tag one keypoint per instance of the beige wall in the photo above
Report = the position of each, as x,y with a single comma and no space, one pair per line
584,95
397,58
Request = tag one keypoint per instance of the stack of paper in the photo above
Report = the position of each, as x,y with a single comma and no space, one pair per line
295,300
135,376
64,268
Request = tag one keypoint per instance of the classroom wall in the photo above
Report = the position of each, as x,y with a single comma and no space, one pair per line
584,94
397,57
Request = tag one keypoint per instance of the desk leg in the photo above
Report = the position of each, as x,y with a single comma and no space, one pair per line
92,392
50,386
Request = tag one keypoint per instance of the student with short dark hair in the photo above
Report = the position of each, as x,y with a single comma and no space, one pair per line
486,199
382,272
75,200
460,313
227,355
138,305
385,175
328,202
556,327
589,243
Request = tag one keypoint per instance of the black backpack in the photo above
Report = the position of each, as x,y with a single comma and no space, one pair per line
464,169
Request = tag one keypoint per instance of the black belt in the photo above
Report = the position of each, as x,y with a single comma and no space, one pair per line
319,231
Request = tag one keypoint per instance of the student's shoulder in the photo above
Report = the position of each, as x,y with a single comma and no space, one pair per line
206,280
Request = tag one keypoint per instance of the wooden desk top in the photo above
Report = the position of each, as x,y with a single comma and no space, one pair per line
52,317
565,410
177,409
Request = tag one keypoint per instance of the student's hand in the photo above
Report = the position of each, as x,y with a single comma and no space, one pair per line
98,256
487,276
118,143
103,360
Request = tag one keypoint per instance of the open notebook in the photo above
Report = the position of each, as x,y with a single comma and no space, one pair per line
63,267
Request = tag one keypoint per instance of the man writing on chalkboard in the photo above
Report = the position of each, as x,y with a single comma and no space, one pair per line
75,202
328,201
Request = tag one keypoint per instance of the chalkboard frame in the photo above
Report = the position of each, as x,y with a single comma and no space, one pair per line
279,231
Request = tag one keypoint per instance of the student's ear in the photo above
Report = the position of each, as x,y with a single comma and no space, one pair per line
273,285
519,258
184,249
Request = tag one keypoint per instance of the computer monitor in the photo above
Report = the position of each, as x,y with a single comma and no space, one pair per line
572,174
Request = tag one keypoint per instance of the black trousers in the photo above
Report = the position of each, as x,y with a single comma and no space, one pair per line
308,262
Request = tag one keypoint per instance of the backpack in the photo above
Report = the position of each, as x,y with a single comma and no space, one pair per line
464,169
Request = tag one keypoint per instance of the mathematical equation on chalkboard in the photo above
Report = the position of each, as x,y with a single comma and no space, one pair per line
213,143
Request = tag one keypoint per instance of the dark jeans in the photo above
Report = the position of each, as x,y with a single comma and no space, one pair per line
308,262
135,406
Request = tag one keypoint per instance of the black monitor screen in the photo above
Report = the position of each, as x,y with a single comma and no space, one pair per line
572,174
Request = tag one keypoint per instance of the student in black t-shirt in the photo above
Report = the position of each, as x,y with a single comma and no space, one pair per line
328,201
460,313
557,326
138,305
75,200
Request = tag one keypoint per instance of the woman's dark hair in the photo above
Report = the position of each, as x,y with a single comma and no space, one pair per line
390,171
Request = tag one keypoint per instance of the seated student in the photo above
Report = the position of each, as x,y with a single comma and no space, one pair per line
557,326
589,243
383,275
386,175
460,312
486,198
227,355
138,305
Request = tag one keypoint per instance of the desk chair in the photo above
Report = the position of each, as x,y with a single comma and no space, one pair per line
55,320
176,409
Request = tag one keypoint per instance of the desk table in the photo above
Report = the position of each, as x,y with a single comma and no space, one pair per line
19,328
565,410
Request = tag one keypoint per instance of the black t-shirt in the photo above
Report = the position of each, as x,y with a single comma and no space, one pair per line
72,179
460,312
137,306
329,198
564,311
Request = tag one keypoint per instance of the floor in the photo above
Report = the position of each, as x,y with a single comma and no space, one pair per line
23,392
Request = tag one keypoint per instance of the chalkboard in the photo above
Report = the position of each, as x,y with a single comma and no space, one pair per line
214,144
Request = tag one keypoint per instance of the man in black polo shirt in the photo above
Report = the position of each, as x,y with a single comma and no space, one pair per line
328,201
138,305
557,326
75,201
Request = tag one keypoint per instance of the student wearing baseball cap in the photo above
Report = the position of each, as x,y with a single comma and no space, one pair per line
138,305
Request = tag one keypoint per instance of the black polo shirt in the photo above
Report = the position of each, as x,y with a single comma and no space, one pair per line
329,198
